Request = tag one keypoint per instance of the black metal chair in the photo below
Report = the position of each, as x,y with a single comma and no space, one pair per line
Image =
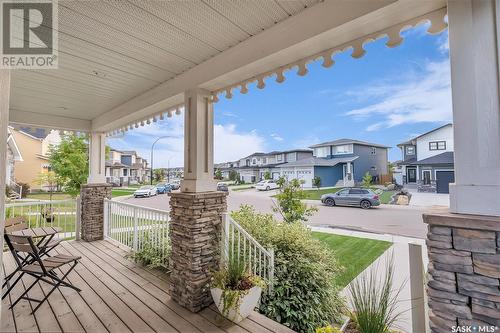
45,245
40,269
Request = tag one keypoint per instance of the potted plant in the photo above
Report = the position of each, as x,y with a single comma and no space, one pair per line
235,291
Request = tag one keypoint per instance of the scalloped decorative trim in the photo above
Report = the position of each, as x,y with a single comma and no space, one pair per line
436,18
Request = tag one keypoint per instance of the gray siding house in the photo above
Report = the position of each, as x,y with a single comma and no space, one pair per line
428,161
341,162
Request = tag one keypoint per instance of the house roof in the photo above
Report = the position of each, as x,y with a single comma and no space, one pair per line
347,142
411,141
443,158
408,161
317,161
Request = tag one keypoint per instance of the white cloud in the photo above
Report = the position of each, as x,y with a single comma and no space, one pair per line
229,143
424,97
277,137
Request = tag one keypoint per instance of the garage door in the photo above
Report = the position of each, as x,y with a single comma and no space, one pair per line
306,175
443,180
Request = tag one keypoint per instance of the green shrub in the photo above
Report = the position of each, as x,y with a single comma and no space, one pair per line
152,255
304,294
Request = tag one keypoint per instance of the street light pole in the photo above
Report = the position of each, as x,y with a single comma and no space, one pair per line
152,147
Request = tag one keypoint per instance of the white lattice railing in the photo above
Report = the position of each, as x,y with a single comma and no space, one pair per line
136,226
55,213
238,242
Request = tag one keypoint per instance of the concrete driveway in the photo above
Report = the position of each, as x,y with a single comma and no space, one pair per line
385,219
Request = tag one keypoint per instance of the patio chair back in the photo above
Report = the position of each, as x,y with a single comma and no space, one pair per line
23,244
15,224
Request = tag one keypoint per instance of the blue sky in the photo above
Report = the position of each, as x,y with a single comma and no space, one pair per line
386,97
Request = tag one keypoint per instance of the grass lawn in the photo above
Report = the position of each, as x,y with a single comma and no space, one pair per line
121,192
353,253
46,196
385,197
316,194
241,187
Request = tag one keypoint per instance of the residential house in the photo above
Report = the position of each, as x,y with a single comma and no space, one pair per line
34,148
254,167
13,156
126,168
428,160
341,162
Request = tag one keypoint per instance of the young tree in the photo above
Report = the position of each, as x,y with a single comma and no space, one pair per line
290,206
158,174
233,175
317,182
69,161
218,174
267,175
367,180
48,179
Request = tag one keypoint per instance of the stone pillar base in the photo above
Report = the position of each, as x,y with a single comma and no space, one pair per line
464,269
92,210
195,235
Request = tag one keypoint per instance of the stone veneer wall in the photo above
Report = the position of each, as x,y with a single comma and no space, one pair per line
92,211
464,269
195,235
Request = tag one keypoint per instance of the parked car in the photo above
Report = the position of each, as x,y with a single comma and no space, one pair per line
359,197
175,185
222,187
146,191
163,188
266,185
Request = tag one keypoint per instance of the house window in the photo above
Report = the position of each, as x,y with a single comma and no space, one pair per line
264,160
437,145
374,151
125,172
410,150
279,158
322,151
343,149
254,161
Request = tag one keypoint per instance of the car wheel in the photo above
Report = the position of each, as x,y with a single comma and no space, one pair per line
365,204
329,202
268,188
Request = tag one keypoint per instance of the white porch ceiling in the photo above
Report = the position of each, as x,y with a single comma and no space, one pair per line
124,61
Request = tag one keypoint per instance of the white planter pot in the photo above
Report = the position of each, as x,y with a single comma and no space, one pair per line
246,305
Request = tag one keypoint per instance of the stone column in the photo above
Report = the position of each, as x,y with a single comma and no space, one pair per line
92,210
464,268
195,235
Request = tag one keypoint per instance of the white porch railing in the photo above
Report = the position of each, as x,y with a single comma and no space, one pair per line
55,213
136,226
237,242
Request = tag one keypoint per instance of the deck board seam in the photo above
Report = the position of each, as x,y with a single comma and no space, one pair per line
131,293
95,292
131,309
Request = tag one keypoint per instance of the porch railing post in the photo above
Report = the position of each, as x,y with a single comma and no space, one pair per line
106,218
78,218
420,321
135,236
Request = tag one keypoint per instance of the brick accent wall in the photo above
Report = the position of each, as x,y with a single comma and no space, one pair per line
464,270
195,235
92,210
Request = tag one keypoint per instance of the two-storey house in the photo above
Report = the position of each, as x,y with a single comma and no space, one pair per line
340,162
428,160
126,168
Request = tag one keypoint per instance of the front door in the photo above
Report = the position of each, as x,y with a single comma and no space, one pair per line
411,175
443,180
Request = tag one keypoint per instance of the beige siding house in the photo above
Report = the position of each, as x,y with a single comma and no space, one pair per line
35,156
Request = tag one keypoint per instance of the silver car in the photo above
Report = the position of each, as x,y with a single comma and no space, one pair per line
358,197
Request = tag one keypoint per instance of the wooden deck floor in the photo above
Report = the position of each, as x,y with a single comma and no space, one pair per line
117,296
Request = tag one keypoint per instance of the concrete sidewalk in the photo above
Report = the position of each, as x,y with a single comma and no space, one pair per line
400,253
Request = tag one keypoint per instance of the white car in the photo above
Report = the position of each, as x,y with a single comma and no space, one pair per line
146,191
266,185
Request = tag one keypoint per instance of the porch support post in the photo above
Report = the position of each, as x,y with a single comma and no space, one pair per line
4,122
475,85
93,193
463,245
196,212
